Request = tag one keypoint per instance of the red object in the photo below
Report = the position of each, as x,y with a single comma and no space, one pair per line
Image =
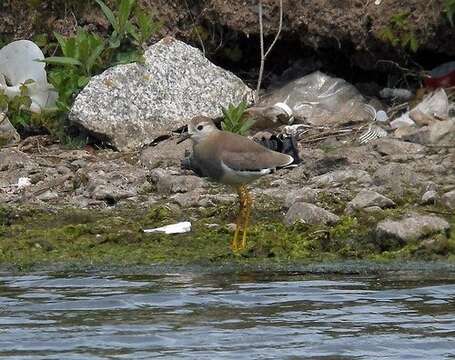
442,76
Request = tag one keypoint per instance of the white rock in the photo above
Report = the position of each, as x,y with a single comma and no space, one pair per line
19,65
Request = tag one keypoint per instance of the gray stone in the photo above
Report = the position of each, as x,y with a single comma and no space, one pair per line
165,154
430,186
395,172
442,132
110,193
193,198
133,104
388,146
372,210
111,180
327,163
167,182
429,198
305,194
11,159
338,177
414,135
8,134
309,214
448,199
48,196
367,198
411,228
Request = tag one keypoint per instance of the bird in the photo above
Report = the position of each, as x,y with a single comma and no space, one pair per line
233,160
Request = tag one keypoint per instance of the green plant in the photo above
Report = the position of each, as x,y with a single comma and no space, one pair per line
85,54
145,27
82,51
82,57
234,119
68,82
120,20
128,30
17,108
399,32
449,10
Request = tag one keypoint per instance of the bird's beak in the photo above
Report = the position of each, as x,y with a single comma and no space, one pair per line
183,137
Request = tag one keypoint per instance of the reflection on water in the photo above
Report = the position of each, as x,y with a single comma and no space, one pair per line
242,316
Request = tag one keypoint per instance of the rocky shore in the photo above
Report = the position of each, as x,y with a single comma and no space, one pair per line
388,199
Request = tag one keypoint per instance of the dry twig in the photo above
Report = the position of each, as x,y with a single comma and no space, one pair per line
261,40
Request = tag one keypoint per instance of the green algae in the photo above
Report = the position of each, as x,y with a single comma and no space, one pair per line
30,237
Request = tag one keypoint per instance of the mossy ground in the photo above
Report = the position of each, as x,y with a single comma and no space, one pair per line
30,237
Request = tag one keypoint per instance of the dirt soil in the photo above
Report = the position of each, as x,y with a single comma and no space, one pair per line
353,27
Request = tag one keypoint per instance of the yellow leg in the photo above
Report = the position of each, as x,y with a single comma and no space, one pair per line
239,221
248,205
242,219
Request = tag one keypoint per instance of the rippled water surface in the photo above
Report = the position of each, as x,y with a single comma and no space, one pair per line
242,316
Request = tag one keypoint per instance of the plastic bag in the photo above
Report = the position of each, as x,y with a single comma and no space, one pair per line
315,99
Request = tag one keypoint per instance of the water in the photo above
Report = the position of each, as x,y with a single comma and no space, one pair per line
225,316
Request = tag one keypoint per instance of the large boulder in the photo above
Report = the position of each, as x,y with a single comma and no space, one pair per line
411,228
130,105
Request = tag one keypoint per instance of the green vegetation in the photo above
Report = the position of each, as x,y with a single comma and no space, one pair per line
78,58
79,237
234,119
17,108
400,33
449,10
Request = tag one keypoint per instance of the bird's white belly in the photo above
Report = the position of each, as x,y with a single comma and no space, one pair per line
238,177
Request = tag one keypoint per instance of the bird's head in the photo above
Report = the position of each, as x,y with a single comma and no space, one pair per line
199,128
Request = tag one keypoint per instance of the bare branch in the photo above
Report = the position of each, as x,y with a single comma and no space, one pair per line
261,40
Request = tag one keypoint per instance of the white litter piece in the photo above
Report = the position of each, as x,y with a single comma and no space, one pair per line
435,105
402,121
20,65
179,228
285,107
374,132
381,116
399,94
23,182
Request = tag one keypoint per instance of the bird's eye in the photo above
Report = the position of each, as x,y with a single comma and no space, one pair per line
200,127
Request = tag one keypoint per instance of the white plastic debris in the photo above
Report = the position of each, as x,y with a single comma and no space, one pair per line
23,182
381,116
316,99
286,109
399,94
434,105
20,65
179,228
374,132
402,121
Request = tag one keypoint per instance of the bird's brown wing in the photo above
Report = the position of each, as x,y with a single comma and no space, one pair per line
241,153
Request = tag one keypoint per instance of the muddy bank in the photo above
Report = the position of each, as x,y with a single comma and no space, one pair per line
90,206
362,33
